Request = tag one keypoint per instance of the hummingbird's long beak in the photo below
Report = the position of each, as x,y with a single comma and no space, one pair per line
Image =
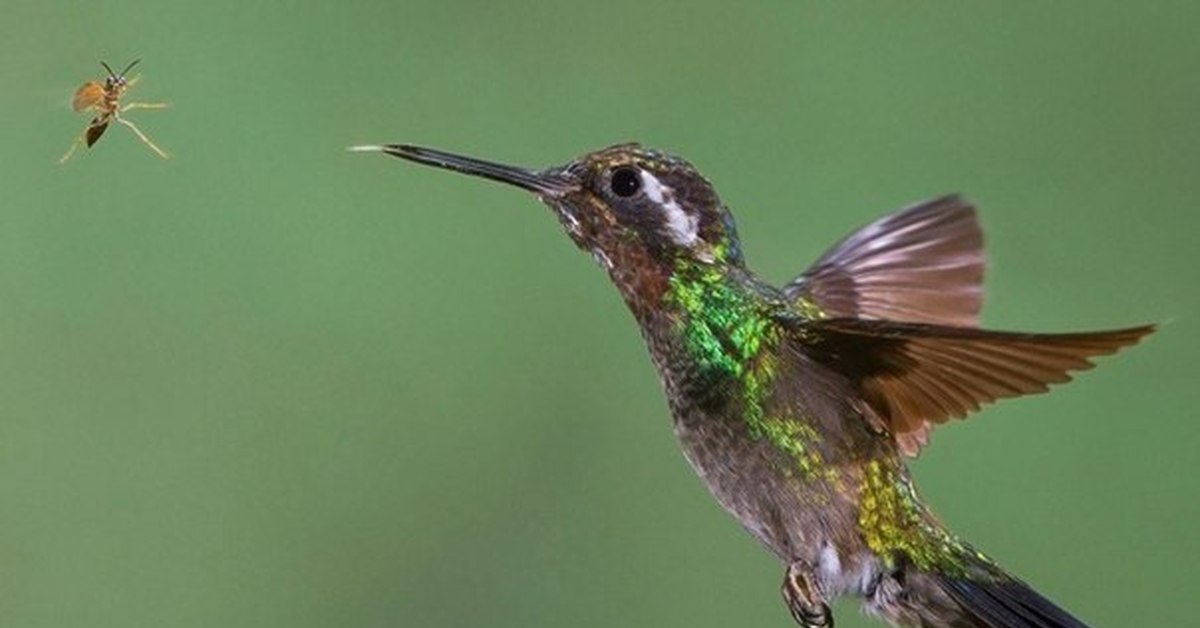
541,183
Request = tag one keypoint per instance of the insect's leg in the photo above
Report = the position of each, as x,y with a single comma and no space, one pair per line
79,140
142,136
144,105
71,150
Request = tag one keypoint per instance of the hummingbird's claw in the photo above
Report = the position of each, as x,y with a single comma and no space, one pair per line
805,602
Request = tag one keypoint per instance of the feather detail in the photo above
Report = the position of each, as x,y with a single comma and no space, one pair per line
923,264
913,376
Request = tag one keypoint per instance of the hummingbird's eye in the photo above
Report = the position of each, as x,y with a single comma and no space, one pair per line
625,182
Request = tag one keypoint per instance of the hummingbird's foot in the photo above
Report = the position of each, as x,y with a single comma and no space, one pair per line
804,599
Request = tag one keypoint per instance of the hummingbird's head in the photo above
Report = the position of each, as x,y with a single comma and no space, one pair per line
626,205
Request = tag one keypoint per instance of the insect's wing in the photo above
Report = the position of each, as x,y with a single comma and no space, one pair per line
94,131
88,95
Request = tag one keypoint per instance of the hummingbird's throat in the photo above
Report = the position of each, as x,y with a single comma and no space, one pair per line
733,342
722,324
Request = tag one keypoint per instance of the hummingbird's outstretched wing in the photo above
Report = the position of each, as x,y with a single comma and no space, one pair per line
913,376
922,264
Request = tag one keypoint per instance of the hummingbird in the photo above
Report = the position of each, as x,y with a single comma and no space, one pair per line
799,405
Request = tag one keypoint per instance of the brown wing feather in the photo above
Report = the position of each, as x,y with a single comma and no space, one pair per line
923,264
914,376
88,95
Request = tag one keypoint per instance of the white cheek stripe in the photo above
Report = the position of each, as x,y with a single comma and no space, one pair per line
681,226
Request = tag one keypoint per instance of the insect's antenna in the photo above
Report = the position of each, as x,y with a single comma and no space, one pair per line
110,70
129,67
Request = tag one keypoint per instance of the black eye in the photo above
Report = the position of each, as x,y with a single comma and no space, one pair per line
625,182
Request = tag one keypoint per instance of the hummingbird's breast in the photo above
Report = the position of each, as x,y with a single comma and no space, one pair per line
781,474
787,480
774,437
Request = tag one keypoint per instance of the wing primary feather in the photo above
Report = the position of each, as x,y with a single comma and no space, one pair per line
915,375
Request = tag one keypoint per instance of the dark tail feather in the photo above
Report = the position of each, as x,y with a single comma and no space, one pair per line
1006,603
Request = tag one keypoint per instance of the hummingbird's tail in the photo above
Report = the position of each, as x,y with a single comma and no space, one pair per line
982,596
1007,603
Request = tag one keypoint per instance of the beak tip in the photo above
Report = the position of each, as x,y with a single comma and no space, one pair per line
537,182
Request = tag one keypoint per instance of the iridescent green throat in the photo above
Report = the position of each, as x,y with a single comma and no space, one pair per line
732,336
725,326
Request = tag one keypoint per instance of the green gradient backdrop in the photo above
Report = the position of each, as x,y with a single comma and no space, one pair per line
271,383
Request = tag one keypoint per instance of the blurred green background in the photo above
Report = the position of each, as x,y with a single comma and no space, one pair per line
272,383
